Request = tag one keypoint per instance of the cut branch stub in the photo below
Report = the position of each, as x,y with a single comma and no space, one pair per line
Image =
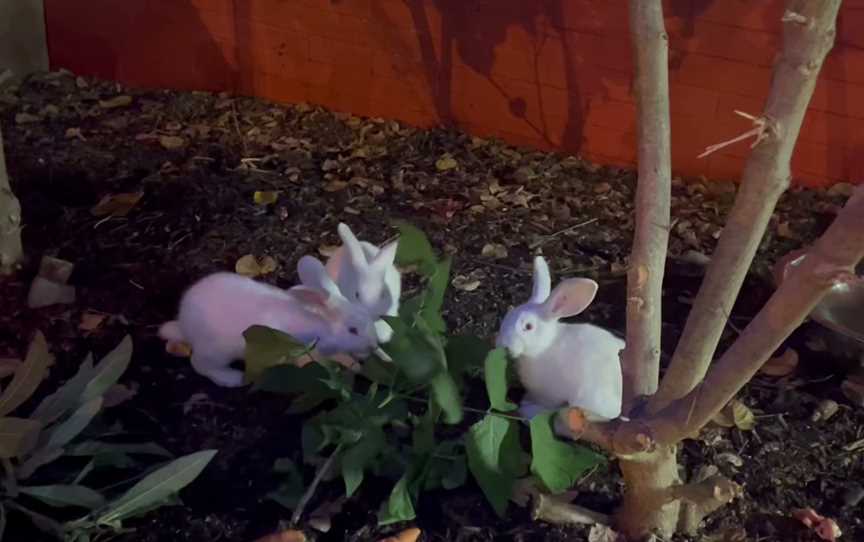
624,439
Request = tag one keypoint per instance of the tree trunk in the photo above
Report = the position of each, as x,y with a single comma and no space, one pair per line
645,508
640,359
11,252
808,35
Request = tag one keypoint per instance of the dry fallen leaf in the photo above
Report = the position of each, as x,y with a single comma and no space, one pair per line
327,250
785,231
446,163
74,133
90,321
735,414
194,400
853,389
782,365
408,535
171,142
494,250
464,283
824,411
265,197
250,266
26,118
335,186
289,535
116,101
116,204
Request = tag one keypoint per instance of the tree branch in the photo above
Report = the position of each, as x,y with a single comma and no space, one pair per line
702,498
831,261
808,35
11,252
640,359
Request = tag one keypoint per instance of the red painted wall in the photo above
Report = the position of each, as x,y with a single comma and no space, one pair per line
552,74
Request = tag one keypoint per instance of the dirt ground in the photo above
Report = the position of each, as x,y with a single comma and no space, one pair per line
197,159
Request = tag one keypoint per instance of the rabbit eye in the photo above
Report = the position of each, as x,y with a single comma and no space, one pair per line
529,326
357,295
353,331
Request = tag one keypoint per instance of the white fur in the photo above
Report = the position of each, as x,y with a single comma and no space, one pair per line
367,275
216,310
563,364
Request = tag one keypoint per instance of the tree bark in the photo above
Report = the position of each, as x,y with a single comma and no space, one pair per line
830,262
640,359
11,251
808,35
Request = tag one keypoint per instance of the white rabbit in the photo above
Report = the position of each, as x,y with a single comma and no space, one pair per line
367,275
563,364
216,310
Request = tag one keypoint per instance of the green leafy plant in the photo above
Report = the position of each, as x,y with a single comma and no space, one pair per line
55,429
396,420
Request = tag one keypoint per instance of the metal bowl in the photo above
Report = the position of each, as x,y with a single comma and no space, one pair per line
842,308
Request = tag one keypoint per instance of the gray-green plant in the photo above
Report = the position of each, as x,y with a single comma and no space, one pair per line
57,428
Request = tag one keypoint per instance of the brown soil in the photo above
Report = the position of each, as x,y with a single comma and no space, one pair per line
66,151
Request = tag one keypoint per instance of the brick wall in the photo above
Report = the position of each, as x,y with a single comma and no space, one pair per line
552,74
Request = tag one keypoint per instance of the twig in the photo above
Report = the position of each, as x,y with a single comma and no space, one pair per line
551,236
554,510
310,491
758,130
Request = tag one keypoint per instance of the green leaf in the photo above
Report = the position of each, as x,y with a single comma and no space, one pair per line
18,436
495,369
68,396
414,248
290,489
28,375
447,397
456,475
557,464
495,458
94,447
465,354
428,303
117,460
109,370
399,506
63,433
156,487
414,351
356,458
266,347
65,495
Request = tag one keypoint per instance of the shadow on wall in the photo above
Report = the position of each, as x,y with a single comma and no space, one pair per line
148,44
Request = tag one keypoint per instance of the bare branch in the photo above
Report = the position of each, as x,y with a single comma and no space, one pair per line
759,126
551,509
831,261
703,497
624,439
766,176
641,356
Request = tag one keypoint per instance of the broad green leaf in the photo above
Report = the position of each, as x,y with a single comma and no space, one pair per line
495,369
267,347
456,475
28,375
417,353
495,458
68,396
447,397
414,248
559,465
95,447
428,303
65,495
156,487
63,433
465,354
423,437
399,506
18,436
290,489
109,370
376,370
356,458
116,460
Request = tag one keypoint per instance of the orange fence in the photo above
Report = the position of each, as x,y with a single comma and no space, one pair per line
551,74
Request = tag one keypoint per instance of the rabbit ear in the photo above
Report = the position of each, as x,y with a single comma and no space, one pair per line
313,273
570,297
386,256
542,281
355,250
315,300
